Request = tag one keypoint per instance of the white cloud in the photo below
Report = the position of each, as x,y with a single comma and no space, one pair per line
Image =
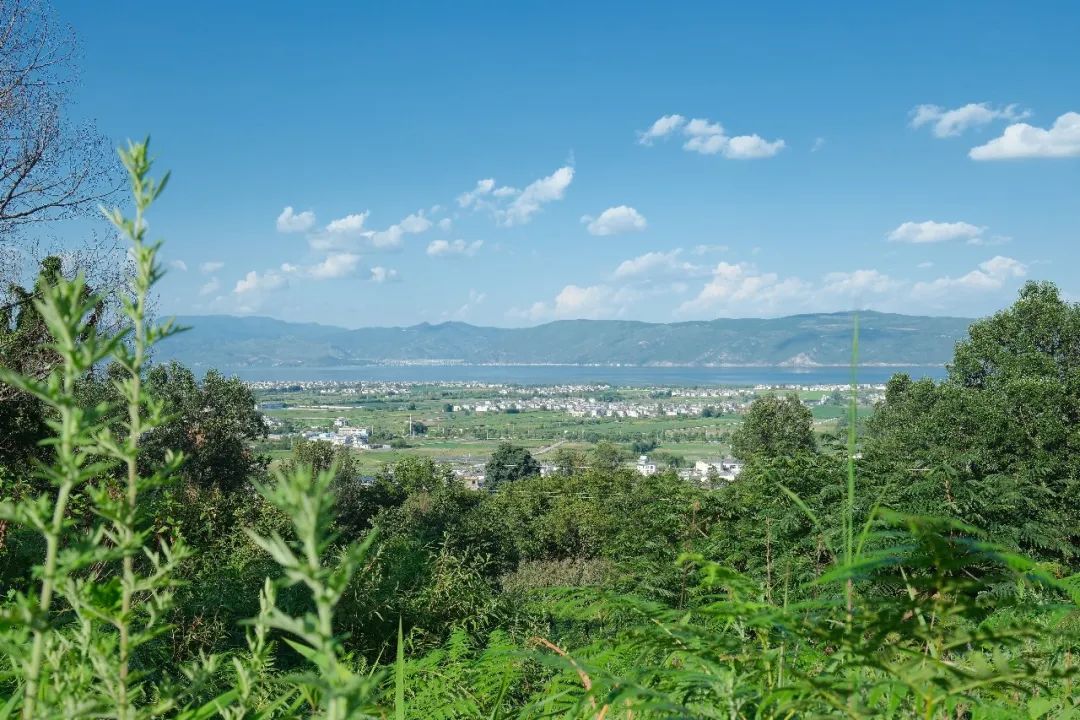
930,231
536,195
353,223
819,143
437,248
393,236
210,287
950,123
381,274
582,302
705,249
749,147
661,128
740,287
859,283
178,265
615,220
254,282
416,223
654,265
290,221
334,266
709,138
510,206
990,275
483,187
445,224
211,266
1021,140
987,241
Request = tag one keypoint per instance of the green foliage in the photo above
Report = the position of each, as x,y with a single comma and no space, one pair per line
996,444
774,427
212,422
80,642
509,463
312,561
153,568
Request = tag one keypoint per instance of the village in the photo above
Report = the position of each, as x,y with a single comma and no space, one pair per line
685,430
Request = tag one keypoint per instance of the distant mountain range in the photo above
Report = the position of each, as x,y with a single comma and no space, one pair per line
229,342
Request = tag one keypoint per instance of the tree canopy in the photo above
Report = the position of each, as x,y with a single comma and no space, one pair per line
774,426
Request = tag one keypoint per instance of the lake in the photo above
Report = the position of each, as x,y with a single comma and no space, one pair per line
568,374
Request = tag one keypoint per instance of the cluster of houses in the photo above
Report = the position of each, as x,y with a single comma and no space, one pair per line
345,435
471,474
591,407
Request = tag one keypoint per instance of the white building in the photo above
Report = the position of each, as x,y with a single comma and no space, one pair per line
645,466
727,469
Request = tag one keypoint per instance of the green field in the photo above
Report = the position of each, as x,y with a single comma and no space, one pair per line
468,436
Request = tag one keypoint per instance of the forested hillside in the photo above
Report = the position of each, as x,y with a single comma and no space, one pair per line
235,342
923,564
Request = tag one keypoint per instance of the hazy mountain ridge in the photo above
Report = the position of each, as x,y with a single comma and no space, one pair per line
813,339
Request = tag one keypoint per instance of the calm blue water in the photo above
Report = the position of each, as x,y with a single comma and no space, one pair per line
564,374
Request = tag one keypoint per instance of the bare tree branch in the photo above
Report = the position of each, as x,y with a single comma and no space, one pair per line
50,169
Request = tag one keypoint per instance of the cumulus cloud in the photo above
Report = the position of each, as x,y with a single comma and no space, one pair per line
741,289
335,265
352,223
615,220
709,138
445,224
510,206
990,275
254,282
661,128
210,287
178,265
483,187
535,195
738,286
657,265
576,302
210,267
381,274
930,231
859,283
1020,140
438,248
950,123
706,249
290,221
416,223
351,233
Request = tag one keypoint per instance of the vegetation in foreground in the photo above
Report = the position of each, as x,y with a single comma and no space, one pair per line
152,568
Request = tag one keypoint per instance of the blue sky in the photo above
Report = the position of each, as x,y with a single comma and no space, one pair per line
513,163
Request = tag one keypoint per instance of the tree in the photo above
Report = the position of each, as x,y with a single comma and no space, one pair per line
25,348
508,463
321,455
49,168
997,443
212,422
606,456
568,461
774,427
